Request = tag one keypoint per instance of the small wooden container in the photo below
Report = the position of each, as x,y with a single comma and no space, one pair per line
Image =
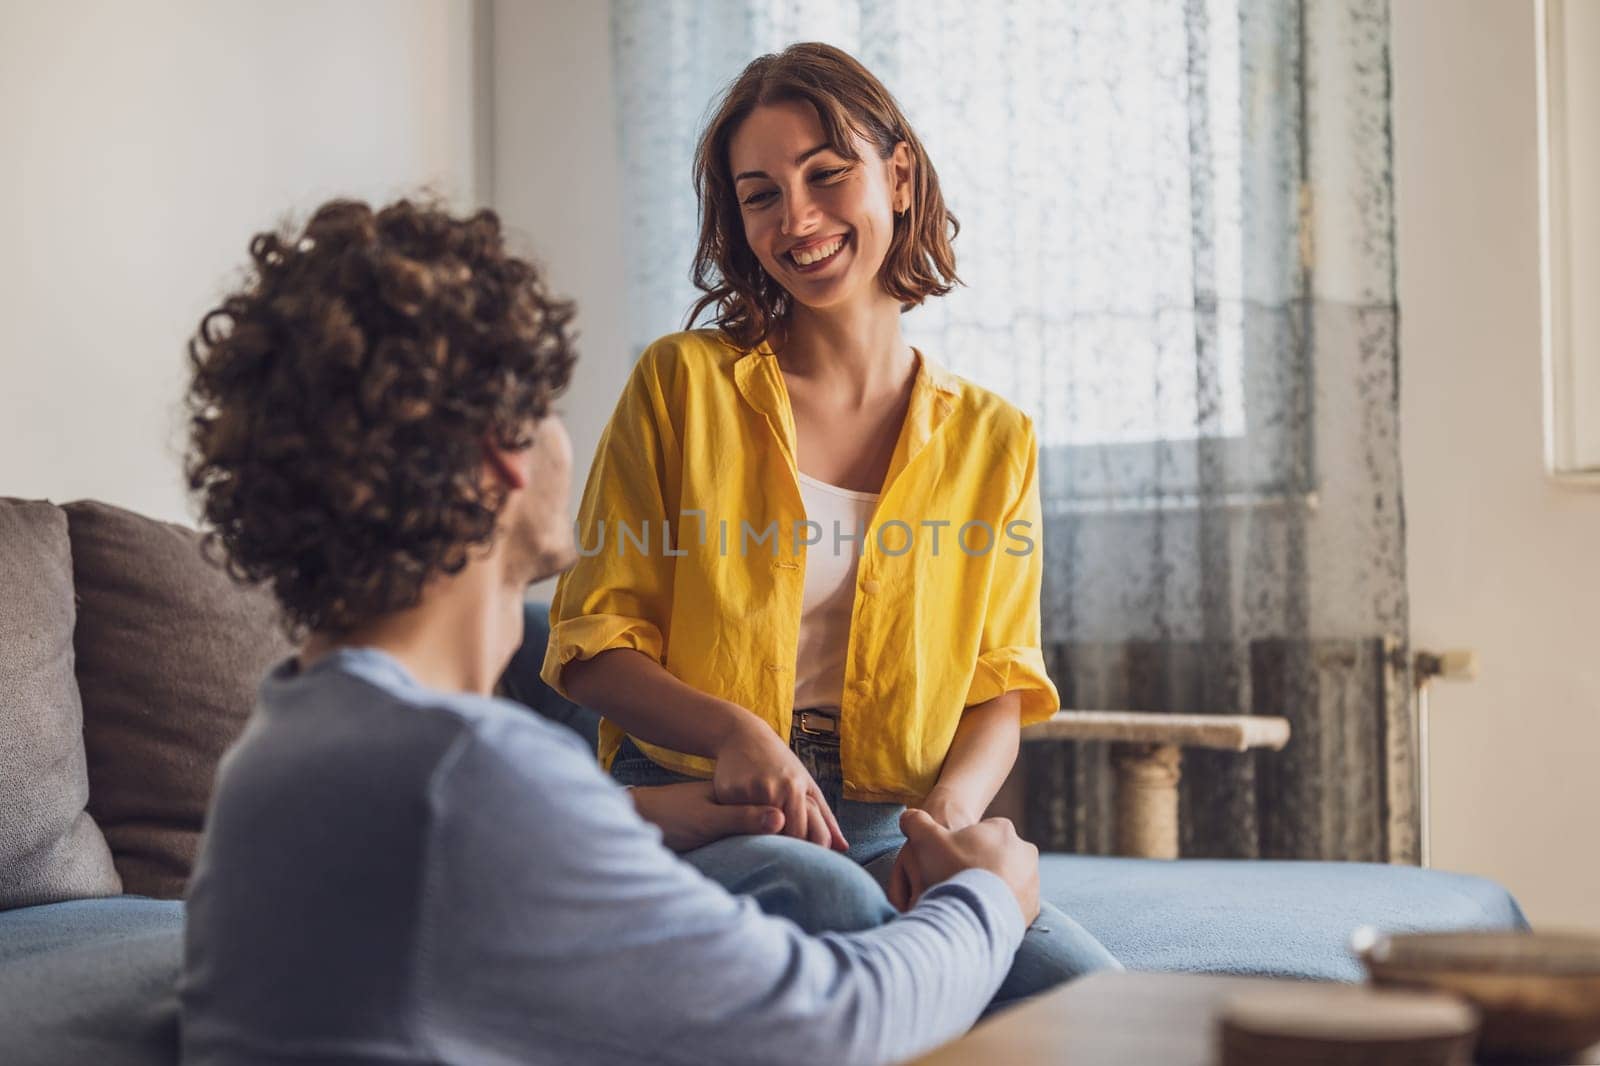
1538,993
1343,1025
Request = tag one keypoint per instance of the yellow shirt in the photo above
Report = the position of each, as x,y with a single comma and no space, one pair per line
691,538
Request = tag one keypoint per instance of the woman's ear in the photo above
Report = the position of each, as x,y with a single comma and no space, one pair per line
902,171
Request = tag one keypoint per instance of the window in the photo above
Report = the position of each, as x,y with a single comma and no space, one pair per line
1095,154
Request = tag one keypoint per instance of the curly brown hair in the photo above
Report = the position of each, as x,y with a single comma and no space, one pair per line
343,395
747,302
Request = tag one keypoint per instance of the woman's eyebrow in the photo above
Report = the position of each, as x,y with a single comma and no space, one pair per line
799,159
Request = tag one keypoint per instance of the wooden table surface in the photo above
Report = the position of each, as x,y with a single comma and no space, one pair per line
1112,1019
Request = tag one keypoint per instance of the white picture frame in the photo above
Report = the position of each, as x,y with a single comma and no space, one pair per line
1568,36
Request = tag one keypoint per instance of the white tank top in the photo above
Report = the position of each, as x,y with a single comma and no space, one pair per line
830,588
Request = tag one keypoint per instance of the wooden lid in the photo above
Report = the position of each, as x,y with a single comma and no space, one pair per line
1335,1025
1542,952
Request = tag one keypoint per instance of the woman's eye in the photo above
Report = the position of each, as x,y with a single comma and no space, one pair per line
830,173
757,198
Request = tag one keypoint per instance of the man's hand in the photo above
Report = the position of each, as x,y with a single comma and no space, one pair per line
946,807
755,766
689,815
933,854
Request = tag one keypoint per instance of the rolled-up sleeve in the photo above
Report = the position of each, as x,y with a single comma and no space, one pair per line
1010,656
618,594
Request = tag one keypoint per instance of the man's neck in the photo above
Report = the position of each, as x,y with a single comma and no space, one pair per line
458,639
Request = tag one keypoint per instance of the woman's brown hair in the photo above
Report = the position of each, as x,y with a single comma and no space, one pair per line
747,302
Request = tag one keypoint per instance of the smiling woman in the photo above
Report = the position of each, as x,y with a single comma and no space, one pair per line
809,156
837,678
1178,255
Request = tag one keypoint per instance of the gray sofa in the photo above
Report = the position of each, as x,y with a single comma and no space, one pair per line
127,663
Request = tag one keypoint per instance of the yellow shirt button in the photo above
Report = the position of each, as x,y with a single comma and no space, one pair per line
870,587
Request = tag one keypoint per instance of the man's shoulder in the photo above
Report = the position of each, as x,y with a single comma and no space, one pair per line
364,705
506,726
509,733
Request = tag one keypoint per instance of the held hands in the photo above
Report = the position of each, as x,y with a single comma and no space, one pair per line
949,810
933,853
754,766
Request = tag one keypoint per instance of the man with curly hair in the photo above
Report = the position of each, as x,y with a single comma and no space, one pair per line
399,867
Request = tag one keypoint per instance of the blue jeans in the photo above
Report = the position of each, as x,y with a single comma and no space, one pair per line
823,891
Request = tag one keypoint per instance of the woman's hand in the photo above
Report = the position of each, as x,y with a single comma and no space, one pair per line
689,815
951,809
755,766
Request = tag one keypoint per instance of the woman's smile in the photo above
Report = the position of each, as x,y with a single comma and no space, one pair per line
815,256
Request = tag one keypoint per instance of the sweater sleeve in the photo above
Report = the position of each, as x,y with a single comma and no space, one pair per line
555,922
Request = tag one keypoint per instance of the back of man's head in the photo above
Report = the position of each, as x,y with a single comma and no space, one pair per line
344,395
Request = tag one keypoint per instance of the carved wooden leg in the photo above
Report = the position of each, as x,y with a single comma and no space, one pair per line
1147,799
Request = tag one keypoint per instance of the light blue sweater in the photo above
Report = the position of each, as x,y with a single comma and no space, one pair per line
396,875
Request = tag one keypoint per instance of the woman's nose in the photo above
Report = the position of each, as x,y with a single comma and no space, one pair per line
799,215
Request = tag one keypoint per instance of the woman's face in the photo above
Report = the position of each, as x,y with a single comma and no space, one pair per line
819,223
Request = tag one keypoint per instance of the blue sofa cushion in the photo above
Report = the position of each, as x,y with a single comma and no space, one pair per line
91,981
1288,919
95,981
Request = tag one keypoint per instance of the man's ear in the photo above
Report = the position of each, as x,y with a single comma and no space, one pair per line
505,465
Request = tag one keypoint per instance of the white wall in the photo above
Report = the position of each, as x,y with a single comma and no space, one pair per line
1575,94
556,180
143,144
1500,559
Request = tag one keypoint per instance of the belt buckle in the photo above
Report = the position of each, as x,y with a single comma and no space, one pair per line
815,724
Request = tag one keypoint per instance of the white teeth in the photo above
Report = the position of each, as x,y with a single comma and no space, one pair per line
818,254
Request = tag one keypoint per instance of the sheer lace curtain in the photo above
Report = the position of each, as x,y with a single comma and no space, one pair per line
1178,248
